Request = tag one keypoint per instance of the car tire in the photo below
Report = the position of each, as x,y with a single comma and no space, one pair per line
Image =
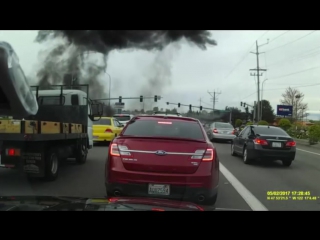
51,166
286,163
233,153
246,159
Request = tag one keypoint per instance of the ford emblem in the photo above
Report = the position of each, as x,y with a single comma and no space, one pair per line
161,153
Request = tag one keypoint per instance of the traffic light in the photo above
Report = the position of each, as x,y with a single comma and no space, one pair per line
247,109
244,104
241,104
190,107
178,104
120,99
155,98
200,108
141,98
167,103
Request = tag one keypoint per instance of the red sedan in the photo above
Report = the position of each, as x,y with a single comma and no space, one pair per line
163,157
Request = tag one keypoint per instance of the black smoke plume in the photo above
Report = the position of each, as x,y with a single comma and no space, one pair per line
106,40
76,43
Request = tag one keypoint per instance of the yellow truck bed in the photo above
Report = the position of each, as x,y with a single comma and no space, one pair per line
39,127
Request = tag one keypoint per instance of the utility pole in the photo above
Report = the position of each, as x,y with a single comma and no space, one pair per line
214,97
258,74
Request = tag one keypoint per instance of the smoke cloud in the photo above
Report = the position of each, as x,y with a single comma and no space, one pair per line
71,50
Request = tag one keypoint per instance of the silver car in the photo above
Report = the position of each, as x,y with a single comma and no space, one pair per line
221,131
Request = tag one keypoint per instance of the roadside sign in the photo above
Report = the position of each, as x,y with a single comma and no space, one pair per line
284,110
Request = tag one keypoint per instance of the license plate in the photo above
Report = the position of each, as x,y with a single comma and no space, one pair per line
159,189
276,144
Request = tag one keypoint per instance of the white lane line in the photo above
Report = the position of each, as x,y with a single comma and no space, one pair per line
308,152
250,199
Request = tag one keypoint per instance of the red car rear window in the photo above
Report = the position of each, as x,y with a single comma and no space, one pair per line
165,128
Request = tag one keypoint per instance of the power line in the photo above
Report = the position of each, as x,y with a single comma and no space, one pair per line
299,56
272,40
292,41
302,86
294,73
246,54
271,89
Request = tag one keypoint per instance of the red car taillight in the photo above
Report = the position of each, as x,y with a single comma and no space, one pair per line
259,141
215,131
290,144
108,130
119,150
205,155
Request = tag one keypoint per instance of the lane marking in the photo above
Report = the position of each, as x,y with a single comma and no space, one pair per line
248,197
308,152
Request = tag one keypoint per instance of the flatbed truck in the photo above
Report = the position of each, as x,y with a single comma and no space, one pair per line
47,125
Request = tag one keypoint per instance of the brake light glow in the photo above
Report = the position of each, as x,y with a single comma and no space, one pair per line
259,141
119,150
165,123
233,131
12,152
290,144
205,155
215,131
108,130
157,209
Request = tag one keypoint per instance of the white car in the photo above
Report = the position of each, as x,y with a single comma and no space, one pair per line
123,118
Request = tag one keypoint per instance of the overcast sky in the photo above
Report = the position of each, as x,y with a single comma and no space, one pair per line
291,57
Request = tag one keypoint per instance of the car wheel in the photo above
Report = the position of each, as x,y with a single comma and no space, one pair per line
246,159
233,153
286,163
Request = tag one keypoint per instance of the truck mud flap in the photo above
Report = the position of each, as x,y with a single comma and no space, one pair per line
31,162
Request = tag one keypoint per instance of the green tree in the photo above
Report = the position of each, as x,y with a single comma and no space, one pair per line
262,122
238,122
249,123
267,111
314,134
285,124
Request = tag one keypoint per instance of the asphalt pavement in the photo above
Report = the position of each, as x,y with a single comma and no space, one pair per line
242,187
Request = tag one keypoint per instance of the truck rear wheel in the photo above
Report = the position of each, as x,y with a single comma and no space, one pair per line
51,168
81,153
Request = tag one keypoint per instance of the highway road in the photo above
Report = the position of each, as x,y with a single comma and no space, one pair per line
242,186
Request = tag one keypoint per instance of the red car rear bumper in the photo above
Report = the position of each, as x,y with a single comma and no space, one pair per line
181,193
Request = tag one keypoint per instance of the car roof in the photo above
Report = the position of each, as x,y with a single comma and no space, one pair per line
263,126
157,117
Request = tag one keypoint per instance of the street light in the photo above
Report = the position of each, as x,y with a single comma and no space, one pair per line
109,86
298,96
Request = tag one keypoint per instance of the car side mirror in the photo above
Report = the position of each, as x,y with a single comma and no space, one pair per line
96,111
121,125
